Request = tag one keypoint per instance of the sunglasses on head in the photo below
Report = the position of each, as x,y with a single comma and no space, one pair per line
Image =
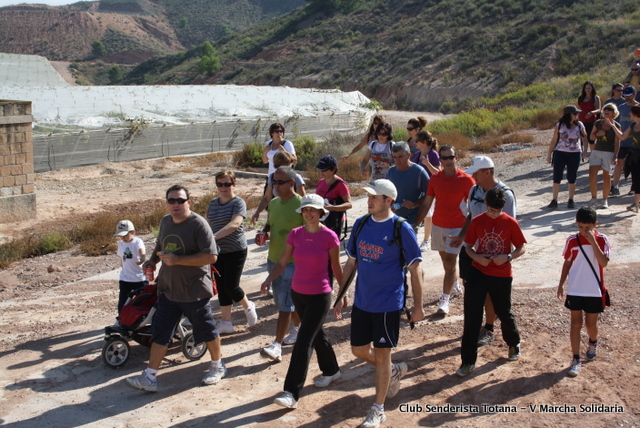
280,182
180,201
448,157
223,184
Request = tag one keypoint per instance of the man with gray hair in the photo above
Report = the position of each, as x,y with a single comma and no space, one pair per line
411,181
281,219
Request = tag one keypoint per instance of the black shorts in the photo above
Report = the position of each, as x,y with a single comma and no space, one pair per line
383,328
623,152
168,316
464,263
590,305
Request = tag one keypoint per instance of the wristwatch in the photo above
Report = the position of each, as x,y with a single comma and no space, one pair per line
509,258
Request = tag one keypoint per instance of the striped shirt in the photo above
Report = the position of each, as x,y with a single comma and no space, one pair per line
219,215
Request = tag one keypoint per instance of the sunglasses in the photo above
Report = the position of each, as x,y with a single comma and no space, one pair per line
608,109
634,69
448,157
278,131
180,201
410,128
280,182
223,184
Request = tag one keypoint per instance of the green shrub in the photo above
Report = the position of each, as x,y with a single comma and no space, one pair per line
52,243
306,151
249,156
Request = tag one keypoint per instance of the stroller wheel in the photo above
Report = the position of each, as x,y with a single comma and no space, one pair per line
190,349
115,352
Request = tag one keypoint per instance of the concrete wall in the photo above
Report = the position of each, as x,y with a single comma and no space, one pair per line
17,191
57,151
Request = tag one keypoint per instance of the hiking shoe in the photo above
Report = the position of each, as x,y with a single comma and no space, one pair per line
292,336
273,351
324,381
215,373
514,352
633,208
394,385
224,327
592,350
553,204
286,400
465,369
443,305
485,337
605,204
615,191
574,368
374,418
252,315
425,245
142,382
456,291
571,204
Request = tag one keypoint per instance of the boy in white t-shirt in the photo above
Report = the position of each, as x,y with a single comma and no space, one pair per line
585,291
132,255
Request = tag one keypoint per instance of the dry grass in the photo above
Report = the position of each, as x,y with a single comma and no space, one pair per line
523,156
212,159
545,119
348,170
461,142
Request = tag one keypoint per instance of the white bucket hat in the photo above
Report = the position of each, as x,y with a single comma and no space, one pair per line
314,201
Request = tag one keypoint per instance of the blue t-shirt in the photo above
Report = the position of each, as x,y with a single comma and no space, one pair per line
624,119
380,281
411,185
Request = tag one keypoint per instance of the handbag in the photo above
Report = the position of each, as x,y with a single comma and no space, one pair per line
606,301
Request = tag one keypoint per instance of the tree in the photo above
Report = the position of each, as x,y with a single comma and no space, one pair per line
98,49
115,74
207,49
209,65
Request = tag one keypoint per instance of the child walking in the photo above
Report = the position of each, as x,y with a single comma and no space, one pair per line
586,254
132,256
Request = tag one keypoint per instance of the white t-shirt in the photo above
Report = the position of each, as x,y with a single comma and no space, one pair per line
582,281
288,147
130,254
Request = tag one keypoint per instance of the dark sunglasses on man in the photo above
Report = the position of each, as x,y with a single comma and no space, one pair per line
180,201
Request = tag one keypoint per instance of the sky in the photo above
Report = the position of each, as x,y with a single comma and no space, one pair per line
49,2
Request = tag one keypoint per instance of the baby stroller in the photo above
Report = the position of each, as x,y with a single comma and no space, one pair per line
134,323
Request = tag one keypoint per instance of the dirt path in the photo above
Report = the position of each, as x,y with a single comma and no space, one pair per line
51,373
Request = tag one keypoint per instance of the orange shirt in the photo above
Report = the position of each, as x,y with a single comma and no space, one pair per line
451,194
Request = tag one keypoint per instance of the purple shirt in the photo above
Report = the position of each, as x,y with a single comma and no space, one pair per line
433,157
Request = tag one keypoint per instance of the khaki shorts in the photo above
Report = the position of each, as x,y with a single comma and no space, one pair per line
440,240
600,158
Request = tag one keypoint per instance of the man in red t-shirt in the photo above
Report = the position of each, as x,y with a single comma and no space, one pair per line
493,240
450,187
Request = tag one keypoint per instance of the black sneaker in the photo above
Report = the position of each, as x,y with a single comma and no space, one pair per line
571,204
615,191
553,204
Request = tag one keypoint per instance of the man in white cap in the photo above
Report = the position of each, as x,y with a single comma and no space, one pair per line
380,260
482,171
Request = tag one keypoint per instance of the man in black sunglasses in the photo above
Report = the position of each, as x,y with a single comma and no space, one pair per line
186,247
450,187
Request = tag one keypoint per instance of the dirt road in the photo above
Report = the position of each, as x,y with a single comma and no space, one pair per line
51,373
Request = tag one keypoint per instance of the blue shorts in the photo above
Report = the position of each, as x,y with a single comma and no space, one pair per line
383,329
168,314
282,287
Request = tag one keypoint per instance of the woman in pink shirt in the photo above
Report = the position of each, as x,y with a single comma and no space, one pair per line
312,247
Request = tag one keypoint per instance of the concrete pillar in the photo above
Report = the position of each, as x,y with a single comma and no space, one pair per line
17,177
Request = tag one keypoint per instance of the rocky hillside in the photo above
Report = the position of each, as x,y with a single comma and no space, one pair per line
419,54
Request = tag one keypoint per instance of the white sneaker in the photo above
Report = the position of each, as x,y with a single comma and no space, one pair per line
394,385
273,351
457,290
215,373
605,204
252,315
224,327
443,305
324,381
286,400
292,336
142,382
374,418
425,245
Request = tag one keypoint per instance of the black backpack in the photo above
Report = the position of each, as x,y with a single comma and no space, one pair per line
336,220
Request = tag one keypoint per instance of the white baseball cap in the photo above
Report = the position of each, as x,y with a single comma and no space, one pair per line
124,227
382,187
479,162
